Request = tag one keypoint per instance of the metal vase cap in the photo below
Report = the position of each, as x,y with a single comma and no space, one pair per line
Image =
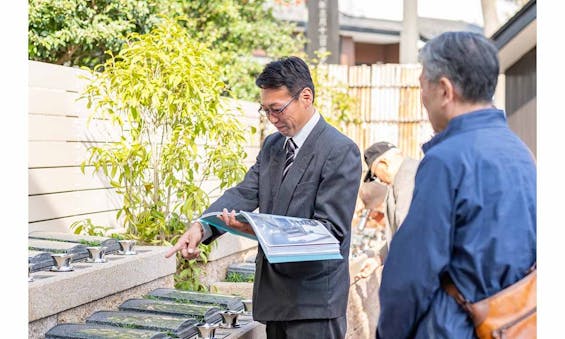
62,262
97,254
127,247
206,331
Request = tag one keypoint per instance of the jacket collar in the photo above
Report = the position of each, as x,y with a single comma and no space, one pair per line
484,118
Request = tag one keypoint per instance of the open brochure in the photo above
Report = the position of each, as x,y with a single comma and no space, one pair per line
284,239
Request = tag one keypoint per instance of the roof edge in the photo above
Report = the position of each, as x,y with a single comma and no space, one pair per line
515,24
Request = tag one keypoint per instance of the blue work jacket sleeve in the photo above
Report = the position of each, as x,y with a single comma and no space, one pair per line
419,252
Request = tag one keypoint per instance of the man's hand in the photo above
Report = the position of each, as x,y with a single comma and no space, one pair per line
188,243
230,220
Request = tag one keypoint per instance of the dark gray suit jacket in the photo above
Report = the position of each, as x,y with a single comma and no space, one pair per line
322,184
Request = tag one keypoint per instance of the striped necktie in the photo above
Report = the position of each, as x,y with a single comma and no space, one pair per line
290,148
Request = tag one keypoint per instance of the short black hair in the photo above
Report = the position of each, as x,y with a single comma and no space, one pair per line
291,72
468,59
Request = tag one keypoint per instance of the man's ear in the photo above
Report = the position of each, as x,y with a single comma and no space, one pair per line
383,161
446,90
306,95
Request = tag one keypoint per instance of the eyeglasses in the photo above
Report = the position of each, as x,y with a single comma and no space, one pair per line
275,112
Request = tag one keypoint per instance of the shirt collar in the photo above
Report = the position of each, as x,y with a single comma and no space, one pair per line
301,136
484,118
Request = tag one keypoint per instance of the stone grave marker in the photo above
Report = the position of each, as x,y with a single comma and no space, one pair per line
39,260
245,270
111,244
222,301
182,327
95,331
202,313
78,251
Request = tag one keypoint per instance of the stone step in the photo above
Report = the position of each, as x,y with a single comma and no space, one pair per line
223,301
95,331
201,313
243,290
111,244
181,327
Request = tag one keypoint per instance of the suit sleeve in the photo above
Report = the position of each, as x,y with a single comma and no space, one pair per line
244,196
419,253
337,192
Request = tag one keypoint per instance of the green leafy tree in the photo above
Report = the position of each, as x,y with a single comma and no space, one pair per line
78,32
162,89
236,29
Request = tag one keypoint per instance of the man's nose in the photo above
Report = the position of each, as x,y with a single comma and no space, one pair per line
270,117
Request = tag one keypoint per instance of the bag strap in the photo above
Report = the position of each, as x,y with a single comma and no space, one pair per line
477,311
451,289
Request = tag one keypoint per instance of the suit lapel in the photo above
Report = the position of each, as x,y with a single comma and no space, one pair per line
276,168
297,170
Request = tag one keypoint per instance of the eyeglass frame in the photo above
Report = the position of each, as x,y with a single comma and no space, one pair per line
277,113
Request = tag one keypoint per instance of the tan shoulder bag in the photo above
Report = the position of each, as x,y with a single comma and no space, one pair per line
510,313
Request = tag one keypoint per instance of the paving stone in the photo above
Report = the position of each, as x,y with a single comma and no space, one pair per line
180,326
222,301
78,251
111,244
95,331
246,270
202,313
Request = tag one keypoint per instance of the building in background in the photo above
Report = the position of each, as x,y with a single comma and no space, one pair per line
516,41
365,40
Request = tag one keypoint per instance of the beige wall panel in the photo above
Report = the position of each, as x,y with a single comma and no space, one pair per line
56,154
61,128
52,76
55,102
50,206
63,179
106,219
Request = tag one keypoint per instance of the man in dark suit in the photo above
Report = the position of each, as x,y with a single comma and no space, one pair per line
307,169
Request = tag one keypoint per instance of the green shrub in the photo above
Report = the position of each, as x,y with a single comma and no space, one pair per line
163,90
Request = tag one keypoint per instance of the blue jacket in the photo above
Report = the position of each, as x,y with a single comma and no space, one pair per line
473,215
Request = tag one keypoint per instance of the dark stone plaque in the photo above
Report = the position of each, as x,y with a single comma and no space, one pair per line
221,301
245,269
78,251
39,261
202,313
95,331
181,327
111,244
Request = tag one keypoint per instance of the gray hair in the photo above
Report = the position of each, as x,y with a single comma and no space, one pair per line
468,59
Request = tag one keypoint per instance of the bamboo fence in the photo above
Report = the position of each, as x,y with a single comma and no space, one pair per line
388,106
